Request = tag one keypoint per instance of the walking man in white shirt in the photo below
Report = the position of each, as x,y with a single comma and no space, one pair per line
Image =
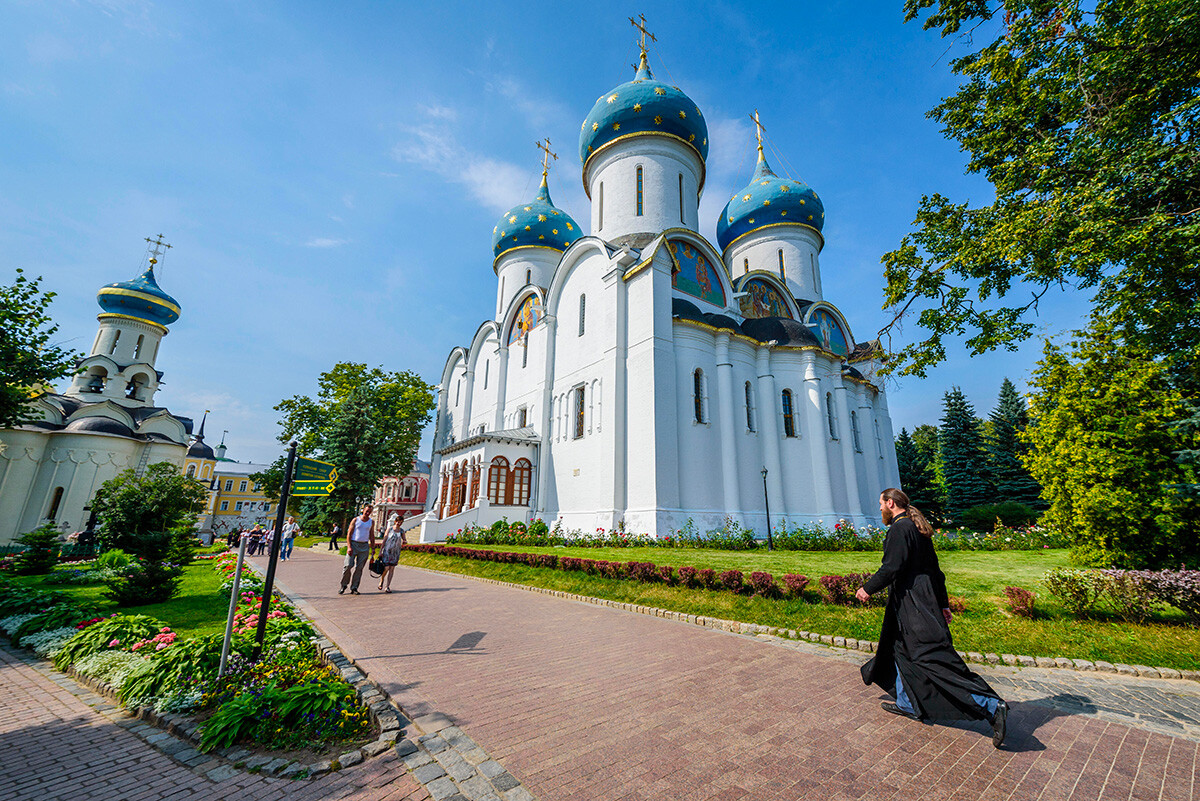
291,529
360,544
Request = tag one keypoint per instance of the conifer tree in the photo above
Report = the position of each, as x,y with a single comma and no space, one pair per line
964,460
917,477
1005,450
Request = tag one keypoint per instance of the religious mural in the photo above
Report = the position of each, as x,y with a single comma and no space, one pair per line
528,316
694,274
829,332
762,300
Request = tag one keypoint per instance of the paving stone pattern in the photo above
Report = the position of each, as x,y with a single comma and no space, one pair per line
581,702
59,740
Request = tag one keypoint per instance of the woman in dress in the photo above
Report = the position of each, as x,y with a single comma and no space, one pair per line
389,554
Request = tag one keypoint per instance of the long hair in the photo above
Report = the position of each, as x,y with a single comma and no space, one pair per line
914,514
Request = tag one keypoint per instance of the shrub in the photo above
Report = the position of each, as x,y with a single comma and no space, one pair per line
764,585
116,632
667,574
41,551
1020,602
1077,590
143,583
645,572
731,580
260,715
1129,593
707,578
47,643
687,577
183,543
1009,513
1179,588
108,667
837,589
16,598
64,614
958,604
795,584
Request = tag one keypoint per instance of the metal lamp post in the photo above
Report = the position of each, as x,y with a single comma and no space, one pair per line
767,501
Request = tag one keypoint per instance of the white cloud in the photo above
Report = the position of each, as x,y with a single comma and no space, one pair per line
493,183
324,242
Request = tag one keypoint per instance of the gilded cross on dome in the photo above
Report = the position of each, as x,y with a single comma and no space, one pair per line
758,130
643,33
544,146
156,248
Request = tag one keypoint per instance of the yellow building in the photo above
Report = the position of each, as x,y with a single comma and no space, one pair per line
234,500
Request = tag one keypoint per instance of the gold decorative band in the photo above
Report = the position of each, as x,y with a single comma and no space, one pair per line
623,137
756,229
133,293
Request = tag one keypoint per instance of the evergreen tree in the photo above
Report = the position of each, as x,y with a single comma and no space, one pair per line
917,477
925,438
1005,450
964,461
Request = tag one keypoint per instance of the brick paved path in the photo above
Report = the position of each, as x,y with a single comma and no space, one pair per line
53,746
583,703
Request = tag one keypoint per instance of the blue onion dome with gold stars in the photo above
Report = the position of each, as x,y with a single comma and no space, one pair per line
769,200
642,107
141,298
535,224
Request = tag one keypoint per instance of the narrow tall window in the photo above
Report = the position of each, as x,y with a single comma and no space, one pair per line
457,391
854,431
745,266
191,472
812,261
54,504
698,394
789,416
782,271
228,484
829,415
486,369
522,417
116,339
600,209
522,478
242,486
498,481
528,277
525,353
749,407
639,191
580,408
878,440
137,349
582,312
681,217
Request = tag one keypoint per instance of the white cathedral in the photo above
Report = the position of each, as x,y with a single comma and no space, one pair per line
638,376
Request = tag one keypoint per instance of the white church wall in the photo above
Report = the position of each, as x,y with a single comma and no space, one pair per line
663,161
700,463
800,497
518,269
801,248
485,367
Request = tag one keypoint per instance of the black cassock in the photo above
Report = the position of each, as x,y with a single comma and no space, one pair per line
915,638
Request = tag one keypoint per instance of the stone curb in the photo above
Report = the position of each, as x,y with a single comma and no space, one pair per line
447,762
847,643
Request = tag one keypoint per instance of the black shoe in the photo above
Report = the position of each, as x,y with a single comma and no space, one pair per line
999,724
342,591
354,592
888,706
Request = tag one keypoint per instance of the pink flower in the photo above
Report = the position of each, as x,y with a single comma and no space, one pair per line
114,643
161,646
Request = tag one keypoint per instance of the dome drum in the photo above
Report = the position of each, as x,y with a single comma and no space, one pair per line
644,186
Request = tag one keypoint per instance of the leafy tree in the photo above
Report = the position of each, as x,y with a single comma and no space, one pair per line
1005,450
136,513
917,476
366,421
27,360
1104,437
1084,117
964,461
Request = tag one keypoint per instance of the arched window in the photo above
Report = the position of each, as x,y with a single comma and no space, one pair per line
789,414
498,481
457,391
475,471
829,415
812,261
681,217
137,349
54,504
191,471
782,271
749,407
745,266
528,277
698,394
580,409
486,369
639,191
854,431
522,478
442,500
582,312
116,339
205,473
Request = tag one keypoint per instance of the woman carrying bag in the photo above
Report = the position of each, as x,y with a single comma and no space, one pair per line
389,554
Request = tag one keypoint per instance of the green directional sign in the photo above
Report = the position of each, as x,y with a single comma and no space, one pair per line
312,487
313,470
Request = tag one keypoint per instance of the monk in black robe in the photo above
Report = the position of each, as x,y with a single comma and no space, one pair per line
916,662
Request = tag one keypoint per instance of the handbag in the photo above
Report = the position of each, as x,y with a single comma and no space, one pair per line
375,566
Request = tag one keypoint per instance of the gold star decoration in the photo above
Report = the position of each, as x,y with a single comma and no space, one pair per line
529,208
616,126
783,213
527,227
554,231
658,90
705,143
692,138
503,234
495,229
763,183
512,219
541,236
744,197
637,106
595,126
810,216
801,201
570,227
698,114
612,98
583,125
751,221
766,203
541,218
682,114
784,188
657,120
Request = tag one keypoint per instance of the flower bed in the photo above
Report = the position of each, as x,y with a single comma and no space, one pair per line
287,699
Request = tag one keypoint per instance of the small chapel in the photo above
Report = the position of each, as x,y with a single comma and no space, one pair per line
638,376
105,422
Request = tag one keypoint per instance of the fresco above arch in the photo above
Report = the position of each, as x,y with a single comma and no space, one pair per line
829,332
694,274
762,300
528,317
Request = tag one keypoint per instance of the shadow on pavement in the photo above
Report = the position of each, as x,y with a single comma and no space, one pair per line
466,644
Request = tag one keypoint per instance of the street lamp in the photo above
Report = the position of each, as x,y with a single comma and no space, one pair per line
767,501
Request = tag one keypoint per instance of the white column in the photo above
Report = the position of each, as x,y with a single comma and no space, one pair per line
464,429
542,468
892,469
818,440
846,435
875,474
501,388
769,424
727,423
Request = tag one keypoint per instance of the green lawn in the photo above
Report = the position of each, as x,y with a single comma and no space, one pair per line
199,608
977,576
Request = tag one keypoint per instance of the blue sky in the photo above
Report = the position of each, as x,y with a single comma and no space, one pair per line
329,173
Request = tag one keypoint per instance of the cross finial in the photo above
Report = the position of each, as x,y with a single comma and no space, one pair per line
156,248
758,130
643,33
547,154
